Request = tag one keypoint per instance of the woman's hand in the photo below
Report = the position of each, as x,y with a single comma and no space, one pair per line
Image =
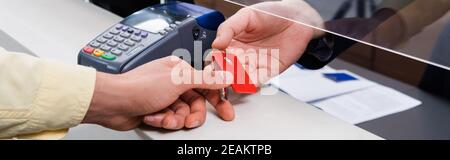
269,26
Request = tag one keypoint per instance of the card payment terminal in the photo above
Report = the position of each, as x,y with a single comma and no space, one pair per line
150,34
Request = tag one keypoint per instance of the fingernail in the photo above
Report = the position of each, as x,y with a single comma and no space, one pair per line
150,118
173,124
194,124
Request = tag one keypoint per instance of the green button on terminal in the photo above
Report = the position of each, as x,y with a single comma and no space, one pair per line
109,57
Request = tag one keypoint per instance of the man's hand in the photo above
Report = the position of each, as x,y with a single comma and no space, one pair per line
252,29
121,102
178,116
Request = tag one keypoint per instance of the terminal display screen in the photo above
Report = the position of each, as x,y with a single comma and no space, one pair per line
153,20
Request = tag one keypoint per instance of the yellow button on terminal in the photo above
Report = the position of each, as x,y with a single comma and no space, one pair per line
98,52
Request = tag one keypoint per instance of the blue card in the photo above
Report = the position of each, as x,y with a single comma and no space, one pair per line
339,77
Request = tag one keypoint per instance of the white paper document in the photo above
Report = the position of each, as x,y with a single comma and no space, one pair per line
368,104
296,71
310,86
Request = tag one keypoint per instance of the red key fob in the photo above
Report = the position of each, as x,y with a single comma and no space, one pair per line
230,63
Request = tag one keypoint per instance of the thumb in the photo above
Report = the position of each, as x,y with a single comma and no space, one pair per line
212,80
218,80
232,27
189,78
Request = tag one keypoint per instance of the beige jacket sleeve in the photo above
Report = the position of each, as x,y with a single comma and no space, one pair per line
39,95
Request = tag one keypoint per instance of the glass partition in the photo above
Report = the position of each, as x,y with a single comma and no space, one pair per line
403,45
416,29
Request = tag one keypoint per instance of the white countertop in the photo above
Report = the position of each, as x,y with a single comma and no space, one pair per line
58,29
268,117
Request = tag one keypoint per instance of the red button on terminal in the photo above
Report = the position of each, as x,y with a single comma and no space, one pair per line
88,50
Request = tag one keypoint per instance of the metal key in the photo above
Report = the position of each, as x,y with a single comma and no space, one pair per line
223,92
